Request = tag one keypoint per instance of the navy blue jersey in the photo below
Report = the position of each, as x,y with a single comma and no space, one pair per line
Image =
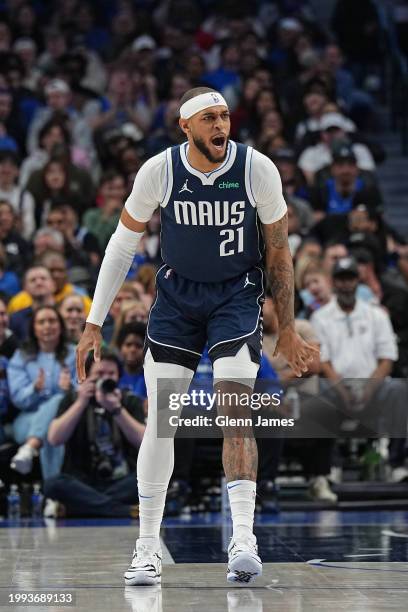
209,225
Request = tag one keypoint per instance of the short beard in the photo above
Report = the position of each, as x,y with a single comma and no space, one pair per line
346,299
199,143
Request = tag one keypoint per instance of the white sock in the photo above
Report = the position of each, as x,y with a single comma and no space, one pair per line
152,497
242,501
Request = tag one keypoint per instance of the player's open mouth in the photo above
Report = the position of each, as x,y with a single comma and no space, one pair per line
218,142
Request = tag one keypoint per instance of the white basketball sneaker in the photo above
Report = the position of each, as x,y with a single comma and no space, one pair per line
146,566
244,563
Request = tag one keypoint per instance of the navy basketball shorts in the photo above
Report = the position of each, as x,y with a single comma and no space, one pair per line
187,315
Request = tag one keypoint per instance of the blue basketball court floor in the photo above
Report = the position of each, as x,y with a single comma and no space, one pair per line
320,561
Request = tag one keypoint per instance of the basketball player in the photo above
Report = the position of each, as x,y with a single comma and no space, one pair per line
213,195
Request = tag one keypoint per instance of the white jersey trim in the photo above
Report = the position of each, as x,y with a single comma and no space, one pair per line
248,188
169,179
210,177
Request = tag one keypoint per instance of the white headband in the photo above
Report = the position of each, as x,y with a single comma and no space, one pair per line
199,103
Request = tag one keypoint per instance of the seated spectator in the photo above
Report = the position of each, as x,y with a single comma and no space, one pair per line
57,181
102,221
83,251
57,265
8,341
17,249
47,239
101,431
129,343
38,290
8,345
169,135
314,100
146,275
317,288
9,171
358,349
332,253
9,282
58,104
335,195
117,107
126,293
333,126
43,368
72,310
227,74
54,132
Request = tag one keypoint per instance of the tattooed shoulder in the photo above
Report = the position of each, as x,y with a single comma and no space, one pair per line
276,234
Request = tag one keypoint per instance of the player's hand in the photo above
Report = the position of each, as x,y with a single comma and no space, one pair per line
91,340
295,350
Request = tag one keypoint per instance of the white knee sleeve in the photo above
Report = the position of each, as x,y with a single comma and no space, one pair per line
239,368
156,455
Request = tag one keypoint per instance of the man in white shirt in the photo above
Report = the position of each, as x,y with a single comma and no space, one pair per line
333,127
358,348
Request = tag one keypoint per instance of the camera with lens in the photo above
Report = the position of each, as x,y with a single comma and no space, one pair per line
102,466
107,385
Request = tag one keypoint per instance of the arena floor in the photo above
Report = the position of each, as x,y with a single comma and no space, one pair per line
320,561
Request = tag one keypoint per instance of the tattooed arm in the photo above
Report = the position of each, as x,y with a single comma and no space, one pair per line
279,271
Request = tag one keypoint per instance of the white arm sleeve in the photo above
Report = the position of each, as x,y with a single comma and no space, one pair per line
147,193
266,186
149,188
115,266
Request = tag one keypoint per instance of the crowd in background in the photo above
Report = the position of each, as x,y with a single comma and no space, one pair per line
88,92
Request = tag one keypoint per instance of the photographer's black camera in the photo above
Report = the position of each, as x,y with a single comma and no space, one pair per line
107,385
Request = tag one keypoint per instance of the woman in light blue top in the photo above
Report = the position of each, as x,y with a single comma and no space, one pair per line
38,376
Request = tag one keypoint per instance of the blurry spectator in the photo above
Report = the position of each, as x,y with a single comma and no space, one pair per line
47,239
101,431
8,341
17,249
317,290
228,72
334,196
9,190
130,342
57,265
131,311
54,132
55,47
11,133
358,349
333,126
58,104
117,107
146,275
42,368
294,229
126,293
293,181
314,100
9,282
38,290
63,219
170,134
271,128
72,310
59,180
102,222
356,102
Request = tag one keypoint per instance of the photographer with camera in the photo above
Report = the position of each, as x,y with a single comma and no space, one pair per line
102,428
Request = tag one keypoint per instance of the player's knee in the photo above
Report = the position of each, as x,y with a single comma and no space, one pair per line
238,369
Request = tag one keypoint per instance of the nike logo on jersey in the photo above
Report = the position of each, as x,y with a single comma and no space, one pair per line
185,188
248,282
